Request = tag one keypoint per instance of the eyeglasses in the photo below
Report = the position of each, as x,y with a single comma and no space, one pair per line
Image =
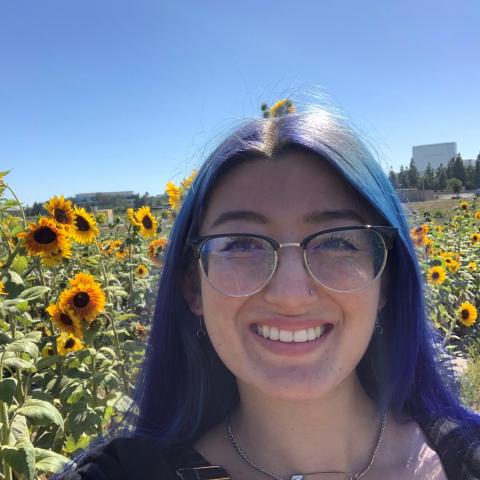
343,259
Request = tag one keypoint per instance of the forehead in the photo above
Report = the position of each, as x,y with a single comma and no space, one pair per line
284,190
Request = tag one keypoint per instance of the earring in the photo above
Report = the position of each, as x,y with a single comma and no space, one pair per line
201,333
310,291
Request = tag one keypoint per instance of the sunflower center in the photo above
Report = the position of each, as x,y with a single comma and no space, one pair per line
82,224
81,299
147,222
60,215
435,275
50,351
45,235
70,343
465,314
65,319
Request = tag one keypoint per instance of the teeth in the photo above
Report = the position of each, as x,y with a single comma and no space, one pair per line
288,336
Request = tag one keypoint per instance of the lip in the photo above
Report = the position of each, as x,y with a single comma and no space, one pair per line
292,349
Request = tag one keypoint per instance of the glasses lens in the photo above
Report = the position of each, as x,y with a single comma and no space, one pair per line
237,265
346,260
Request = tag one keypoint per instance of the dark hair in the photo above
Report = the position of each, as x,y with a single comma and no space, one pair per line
184,388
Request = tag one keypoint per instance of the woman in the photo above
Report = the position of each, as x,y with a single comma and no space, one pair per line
290,338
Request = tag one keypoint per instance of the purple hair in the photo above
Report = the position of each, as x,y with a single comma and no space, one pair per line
184,388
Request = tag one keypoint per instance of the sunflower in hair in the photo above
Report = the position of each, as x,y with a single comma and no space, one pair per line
67,343
61,210
44,237
155,250
467,314
84,229
147,222
85,297
66,320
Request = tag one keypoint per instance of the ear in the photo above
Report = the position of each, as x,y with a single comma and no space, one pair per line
192,293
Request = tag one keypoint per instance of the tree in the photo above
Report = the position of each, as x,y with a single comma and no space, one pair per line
459,169
403,178
441,178
477,172
450,168
470,177
429,178
393,178
413,175
455,185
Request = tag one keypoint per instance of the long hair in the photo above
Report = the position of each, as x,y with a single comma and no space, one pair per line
184,388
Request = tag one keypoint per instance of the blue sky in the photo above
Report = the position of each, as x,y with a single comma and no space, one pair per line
105,95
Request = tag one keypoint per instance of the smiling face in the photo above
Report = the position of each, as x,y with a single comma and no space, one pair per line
287,199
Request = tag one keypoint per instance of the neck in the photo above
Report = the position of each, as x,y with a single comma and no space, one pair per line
334,433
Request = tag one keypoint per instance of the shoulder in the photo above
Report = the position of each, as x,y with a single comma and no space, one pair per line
124,458
457,443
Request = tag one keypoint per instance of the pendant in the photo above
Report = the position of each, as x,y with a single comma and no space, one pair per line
297,477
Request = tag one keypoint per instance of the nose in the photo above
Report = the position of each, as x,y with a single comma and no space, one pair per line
291,288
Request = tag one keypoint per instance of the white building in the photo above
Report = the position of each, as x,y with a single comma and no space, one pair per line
435,153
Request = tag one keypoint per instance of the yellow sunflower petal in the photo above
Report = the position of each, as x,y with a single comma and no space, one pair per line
84,229
67,343
147,222
61,210
44,237
467,314
65,320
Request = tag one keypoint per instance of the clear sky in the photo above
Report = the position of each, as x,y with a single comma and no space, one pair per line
106,95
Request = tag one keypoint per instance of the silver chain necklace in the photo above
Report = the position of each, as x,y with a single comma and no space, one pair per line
350,476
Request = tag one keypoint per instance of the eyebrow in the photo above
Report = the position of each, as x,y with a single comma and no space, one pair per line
317,216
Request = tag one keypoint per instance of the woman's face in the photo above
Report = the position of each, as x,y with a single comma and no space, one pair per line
282,196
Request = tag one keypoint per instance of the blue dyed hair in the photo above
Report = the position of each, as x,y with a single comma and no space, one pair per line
184,388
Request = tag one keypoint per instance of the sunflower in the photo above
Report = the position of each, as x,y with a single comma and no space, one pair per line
467,314
282,107
147,222
54,258
67,343
174,195
464,206
472,266
439,228
84,228
141,271
121,252
47,351
84,297
436,275
106,247
155,249
475,238
419,240
477,215
452,265
66,320
141,332
2,289
44,237
132,217
61,210
186,182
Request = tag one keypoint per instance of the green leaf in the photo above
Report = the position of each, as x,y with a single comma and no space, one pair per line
21,458
19,264
13,283
71,446
40,412
126,316
33,293
48,461
23,346
7,390
18,363
83,420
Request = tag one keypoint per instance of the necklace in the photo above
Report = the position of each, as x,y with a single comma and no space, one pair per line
350,476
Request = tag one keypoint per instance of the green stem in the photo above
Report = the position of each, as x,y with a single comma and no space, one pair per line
116,344
19,205
5,437
94,382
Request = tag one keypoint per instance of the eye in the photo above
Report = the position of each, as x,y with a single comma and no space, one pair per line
242,244
335,243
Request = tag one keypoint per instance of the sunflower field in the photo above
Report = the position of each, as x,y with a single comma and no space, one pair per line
76,300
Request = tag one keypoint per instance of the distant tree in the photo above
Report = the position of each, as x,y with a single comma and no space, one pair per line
459,169
393,178
477,172
403,178
413,175
470,177
429,178
455,185
441,178
451,168
35,209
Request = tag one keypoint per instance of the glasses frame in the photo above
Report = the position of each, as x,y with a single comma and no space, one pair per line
387,233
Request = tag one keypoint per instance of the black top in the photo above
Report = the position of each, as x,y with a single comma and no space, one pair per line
144,458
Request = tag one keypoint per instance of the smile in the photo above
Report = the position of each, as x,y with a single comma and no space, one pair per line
292,336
